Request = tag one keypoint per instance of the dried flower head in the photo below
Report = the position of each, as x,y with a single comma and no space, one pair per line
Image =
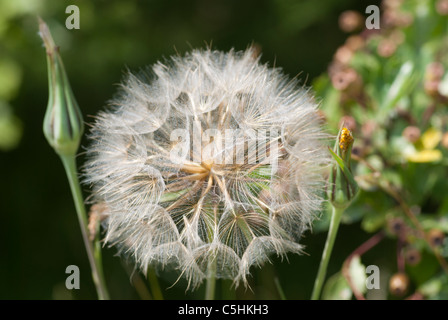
211,159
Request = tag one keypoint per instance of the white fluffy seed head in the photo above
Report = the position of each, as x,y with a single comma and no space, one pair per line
205,207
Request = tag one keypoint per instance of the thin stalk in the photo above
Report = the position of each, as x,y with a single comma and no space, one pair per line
281,293
93,252
211,280
154,284
140,287
138,282
332,232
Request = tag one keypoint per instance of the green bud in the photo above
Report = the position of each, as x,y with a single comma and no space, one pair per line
343,187
63,124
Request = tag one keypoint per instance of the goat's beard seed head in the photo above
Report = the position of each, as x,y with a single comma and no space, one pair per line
204,205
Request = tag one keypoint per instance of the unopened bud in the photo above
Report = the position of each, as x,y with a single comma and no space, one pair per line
442,7
436,237
343,55
434,71
411,133
396,226
343,187
350,21
433,75
399,284
386,47
355,43
445,140
347,80
413,256
63,124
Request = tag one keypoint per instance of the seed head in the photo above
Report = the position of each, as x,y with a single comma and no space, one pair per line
208,157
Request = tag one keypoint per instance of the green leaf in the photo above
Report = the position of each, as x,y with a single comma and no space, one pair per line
424,271
430,223
402,85
435,288
357,273
373,221
337,288
348,175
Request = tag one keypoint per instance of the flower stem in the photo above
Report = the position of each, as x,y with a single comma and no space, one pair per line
281,293
137,281
332,232
154,284
93,252
211,280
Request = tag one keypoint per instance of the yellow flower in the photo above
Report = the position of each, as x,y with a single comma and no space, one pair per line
427,151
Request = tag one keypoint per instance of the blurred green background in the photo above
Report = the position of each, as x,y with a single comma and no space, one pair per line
39,231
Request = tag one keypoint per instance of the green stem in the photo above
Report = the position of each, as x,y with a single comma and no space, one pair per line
211,280
138,282
93,252
154,284
332,232
98,262
281,293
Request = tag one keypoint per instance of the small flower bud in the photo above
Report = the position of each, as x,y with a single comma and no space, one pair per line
355,43
394,18
436,237
396,226
399,284
434,71
431,87
368,128
445,140
398,36
412,133
343,55
341,80
442,7
343,187
413,256
392,4
386,47
347,80
433,75
350,21
63,124
345,140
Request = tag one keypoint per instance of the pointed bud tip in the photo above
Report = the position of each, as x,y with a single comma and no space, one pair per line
63,124
45,34
344,187
346,139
